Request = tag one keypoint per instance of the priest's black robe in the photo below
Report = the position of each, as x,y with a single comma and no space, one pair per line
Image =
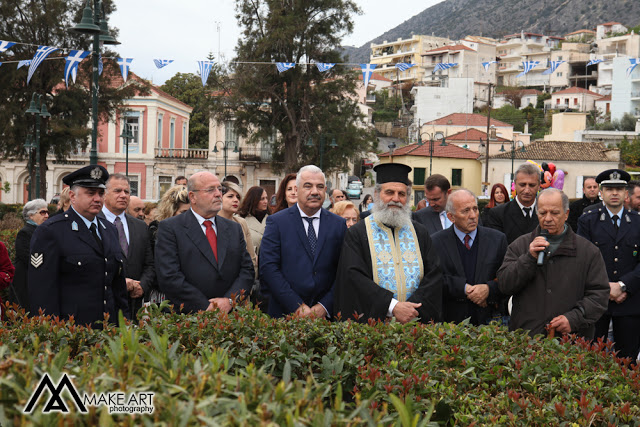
356,292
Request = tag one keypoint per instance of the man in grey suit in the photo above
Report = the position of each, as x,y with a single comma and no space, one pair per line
434,217
201,258
470,256
133,237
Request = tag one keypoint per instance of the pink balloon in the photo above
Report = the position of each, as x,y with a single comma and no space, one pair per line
558,179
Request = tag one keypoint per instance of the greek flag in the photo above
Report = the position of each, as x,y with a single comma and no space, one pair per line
100,64
5,45
162,62
71,64
444,66
125,64
367,72
284,66
324,66
528,66
205,69
403,66
552,67
41,54
634,62
23,63
594,62
486,65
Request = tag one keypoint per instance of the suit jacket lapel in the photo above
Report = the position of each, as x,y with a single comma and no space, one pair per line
451,247
197,236
435,219
133,233
297,224
223,238
483,252
624,225
608,225
322,234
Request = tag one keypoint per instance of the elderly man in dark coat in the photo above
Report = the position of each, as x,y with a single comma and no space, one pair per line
557,278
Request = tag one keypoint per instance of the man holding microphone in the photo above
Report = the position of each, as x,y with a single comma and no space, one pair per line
558,279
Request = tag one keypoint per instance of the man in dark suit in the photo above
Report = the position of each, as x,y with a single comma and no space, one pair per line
589,197
616,232
300,251
519,216
201,259
470,256
434,217
77,267
133,237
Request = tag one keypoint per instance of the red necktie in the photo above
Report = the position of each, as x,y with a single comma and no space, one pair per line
212,238
467,239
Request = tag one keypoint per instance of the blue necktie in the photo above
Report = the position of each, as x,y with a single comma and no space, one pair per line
311,235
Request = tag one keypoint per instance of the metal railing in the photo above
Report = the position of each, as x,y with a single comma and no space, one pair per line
255,154
182,153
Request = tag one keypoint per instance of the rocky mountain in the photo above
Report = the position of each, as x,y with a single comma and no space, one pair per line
496,18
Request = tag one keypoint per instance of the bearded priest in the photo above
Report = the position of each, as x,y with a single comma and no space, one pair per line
388,265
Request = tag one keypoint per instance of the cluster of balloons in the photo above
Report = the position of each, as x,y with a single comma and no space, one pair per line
550,176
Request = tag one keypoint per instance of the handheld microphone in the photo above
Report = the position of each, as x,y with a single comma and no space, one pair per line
544,233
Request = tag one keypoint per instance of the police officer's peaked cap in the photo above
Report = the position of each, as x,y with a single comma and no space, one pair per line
613,178
92,176
392,172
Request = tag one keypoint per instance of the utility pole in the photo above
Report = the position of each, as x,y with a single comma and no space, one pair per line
486,184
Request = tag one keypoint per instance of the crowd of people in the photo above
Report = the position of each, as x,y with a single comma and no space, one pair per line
533,262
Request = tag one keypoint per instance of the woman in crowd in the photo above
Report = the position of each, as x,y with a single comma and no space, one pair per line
254,210
287,194
499,195
364,206
64,202
173,202
231,196
150,212
34,213
347,210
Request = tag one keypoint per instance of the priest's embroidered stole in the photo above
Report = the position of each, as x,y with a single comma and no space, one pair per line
396,258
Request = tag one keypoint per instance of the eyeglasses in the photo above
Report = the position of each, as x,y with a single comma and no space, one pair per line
209,190
44,212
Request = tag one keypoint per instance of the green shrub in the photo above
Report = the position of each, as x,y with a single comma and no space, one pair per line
246,368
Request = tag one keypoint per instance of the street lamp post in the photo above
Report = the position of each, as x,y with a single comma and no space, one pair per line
29,146
127,136
225,147
515,145
38,109
333,144
97,27
437,136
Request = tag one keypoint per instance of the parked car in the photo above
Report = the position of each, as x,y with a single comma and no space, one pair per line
354,191
355,179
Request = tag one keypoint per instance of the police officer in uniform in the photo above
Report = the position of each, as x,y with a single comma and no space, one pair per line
616,232
76,266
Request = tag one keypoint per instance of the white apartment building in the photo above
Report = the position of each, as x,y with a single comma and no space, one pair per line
518,48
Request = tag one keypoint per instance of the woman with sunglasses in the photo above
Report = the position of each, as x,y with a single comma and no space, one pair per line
34,213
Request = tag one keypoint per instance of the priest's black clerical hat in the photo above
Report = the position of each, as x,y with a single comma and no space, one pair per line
392,172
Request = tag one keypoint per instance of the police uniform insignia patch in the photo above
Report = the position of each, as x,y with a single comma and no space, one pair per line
96,173
37,259
74,226
614,176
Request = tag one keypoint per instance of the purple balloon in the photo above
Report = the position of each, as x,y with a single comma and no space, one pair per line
558,179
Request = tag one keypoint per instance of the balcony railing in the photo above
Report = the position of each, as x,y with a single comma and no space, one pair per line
182,153
256,154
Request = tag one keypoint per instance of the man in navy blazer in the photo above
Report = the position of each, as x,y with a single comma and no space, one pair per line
201,259
470,256
300,250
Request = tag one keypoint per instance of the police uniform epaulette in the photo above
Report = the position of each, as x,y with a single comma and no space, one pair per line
630,212
58,218
592,211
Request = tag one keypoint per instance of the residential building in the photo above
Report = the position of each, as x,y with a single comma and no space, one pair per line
610,29
475,140
527,97
459,165
612,43
458,122
468,54
574,99
518,48
386,54
454,95
565,125
581,36
625,90
574,71
603,105
575,159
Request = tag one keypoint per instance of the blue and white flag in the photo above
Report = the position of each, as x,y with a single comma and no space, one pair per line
367,72
5,45
324,66
552,67
594,62
403,66
162,62
125,64
100,64
528,66
205,69
23,63
41,54
634,63
71,64
284,66
443,66
486,65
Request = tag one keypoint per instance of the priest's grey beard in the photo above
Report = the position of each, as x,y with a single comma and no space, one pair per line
391,217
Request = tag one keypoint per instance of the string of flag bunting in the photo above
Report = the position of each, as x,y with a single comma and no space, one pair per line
75,57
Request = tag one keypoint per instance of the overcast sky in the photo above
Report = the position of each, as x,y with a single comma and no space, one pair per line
187,30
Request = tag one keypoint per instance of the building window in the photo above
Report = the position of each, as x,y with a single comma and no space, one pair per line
164,184
132,119
418,195
172,133
134,180
575,101
456,177
160,130
230,131
559,58
559,74
418,176
184,135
